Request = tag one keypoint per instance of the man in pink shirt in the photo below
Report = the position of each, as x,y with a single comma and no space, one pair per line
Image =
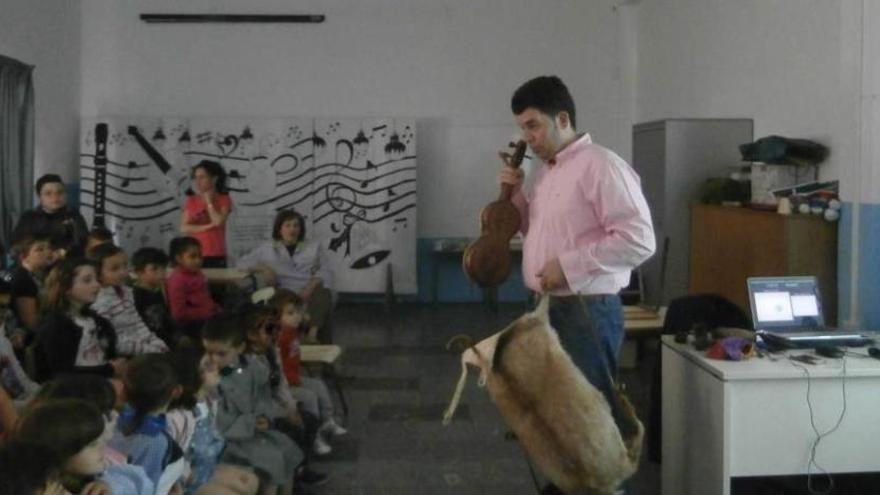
586,225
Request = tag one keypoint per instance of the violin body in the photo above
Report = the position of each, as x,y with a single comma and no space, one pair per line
487,261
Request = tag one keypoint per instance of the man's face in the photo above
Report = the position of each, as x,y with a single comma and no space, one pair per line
52,197
541,132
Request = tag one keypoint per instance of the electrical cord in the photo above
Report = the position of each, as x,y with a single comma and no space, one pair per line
819,436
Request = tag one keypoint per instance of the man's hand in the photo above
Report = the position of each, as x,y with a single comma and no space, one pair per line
551,276
508,174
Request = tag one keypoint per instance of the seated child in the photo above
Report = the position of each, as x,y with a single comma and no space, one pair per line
13,378
311,392
187,288
96,237
72,337
118,474
33,254
246,410
73,430
150,385
191,422
115,302
28,468
149,293
301,426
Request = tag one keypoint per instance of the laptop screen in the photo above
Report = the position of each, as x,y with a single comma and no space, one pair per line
785,302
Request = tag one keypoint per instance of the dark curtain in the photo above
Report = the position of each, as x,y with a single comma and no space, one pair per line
16,143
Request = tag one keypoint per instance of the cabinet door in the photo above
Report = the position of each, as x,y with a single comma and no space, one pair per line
728,245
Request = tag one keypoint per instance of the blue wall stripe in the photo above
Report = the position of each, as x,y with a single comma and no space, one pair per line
868,290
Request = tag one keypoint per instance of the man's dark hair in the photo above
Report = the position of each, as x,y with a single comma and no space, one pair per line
547,94
148,256
47,179
179,245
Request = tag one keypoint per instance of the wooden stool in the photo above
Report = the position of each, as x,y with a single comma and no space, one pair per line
326,356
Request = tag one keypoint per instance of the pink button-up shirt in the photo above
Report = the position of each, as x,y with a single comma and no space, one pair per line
587,209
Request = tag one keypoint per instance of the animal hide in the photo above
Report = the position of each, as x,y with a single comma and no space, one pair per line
562,421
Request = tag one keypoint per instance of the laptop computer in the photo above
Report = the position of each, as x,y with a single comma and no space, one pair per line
787,312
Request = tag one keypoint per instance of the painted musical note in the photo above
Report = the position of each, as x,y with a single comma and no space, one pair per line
400,221
166,227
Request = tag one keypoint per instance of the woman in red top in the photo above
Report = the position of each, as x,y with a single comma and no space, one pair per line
206,210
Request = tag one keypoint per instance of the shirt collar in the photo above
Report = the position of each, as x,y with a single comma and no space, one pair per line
575,146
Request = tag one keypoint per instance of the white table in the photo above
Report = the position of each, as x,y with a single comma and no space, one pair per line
723,419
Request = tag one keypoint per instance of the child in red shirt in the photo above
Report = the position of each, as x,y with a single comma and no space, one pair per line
310,391
189,300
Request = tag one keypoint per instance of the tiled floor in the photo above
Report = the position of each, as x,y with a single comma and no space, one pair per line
398,379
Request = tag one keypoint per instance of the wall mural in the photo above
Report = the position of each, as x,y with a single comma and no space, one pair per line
353,179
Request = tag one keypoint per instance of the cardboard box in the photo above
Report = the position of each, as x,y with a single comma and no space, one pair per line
767,178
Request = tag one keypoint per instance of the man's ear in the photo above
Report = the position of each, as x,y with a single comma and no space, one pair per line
563,121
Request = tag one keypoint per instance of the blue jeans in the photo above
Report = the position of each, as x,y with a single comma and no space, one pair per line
581,323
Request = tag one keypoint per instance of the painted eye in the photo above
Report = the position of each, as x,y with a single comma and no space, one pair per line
370,259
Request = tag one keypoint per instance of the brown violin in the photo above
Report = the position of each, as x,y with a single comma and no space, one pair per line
487,260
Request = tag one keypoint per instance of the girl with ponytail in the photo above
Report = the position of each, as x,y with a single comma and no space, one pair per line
150,386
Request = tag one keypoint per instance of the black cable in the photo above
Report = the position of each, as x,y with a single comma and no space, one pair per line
819,436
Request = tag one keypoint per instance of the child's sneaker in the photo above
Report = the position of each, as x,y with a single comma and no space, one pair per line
308,476
333,428
321,447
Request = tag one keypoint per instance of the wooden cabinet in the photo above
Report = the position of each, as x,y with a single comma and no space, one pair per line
730,244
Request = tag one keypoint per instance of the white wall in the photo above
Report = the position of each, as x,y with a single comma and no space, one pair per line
450,64
792,65
46,34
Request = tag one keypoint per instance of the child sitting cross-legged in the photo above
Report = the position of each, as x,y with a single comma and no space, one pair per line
300,425
73,431
33,253
246,410
191,422
187,288
118,475
149,293
150,386
115,302
72,338
310,391
13,378
29,468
